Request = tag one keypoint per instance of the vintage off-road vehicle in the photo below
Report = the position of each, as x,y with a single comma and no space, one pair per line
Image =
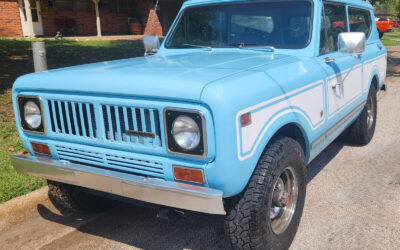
222,119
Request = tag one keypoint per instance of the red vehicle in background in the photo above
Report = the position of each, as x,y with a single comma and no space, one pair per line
384,25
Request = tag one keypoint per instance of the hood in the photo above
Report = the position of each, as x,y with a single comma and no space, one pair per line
180,77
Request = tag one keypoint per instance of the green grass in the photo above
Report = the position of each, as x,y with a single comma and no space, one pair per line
391,38
16,60
12,183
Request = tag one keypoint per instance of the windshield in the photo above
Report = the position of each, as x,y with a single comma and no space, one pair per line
283,25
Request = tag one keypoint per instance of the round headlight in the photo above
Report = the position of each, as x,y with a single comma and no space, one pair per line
186,132
32,115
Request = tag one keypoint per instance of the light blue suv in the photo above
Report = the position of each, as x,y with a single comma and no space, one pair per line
222,119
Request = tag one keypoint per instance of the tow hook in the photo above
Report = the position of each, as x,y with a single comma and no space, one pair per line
169,214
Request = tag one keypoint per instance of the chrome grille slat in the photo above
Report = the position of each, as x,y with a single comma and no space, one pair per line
61,117
89,119
73,107
134,167
154,165
81,121
118,123
111,161
110,136
68,121
81,152
75,118
79,156
118,119
135,125
126,137
72,118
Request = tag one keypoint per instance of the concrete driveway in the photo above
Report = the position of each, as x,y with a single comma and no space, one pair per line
353,202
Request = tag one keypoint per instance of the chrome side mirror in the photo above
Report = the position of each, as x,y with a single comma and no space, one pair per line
151,44
351,42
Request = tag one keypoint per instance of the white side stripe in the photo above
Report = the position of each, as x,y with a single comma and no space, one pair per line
307,101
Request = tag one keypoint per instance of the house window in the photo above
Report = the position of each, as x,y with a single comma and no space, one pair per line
81,5
64,5
118,6
73,5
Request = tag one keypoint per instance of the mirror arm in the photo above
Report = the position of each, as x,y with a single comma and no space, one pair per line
149,53
330,59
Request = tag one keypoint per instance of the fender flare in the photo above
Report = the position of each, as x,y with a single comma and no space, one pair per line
284,117
374,73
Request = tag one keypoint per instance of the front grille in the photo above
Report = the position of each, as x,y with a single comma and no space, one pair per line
111,161
72,118
129,124
118,119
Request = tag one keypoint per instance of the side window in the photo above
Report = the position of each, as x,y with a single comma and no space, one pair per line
360,21
334,22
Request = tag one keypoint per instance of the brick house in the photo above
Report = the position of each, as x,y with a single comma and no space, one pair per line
85,17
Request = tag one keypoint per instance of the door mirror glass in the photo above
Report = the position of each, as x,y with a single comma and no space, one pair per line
151,44
351,42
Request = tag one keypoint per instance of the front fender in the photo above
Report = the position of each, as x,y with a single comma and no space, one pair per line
238,149
231,173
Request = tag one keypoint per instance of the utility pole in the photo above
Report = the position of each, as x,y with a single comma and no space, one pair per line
39,56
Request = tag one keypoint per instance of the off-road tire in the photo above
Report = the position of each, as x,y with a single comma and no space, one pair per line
380,34
74,198
247,223
359,132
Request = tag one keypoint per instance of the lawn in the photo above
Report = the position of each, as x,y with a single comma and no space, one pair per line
391,38
16,60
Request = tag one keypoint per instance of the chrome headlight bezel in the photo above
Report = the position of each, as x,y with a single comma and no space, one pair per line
21,101
170,114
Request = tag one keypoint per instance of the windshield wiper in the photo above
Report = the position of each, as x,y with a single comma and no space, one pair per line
187,45
252,46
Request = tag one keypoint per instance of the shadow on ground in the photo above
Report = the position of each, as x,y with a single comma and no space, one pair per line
139,226
394,62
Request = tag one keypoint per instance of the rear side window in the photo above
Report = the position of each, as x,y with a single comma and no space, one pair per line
334,22
360,21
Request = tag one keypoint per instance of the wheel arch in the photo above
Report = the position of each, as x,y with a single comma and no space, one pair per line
374,79
290,128
290,125
294,131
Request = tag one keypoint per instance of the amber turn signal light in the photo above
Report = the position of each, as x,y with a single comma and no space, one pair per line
40,148
188,174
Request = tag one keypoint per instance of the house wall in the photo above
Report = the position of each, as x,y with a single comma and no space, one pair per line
111,23
10,21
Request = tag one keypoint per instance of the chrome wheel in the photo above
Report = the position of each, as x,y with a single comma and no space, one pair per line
370,113
283,200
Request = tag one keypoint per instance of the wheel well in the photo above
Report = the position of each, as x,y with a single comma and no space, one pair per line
293,131
375,82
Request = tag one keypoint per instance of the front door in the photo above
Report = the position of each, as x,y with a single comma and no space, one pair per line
31,21
344,81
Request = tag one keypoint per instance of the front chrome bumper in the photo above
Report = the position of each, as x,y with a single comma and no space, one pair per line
153,190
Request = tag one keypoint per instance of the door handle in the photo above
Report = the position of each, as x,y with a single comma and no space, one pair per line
336,84
380,46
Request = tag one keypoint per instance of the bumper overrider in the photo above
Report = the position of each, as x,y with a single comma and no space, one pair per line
152,190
